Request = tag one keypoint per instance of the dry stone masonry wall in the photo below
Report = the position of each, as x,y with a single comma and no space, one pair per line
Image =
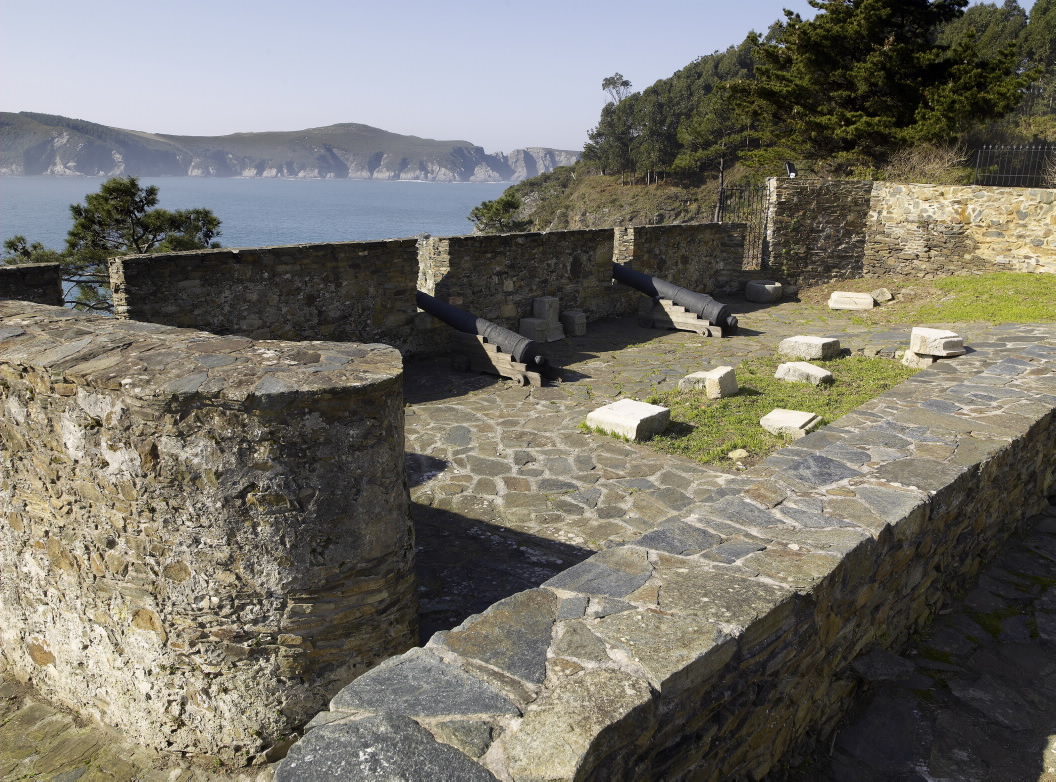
820,231
497,277
669,658
355,291
40,283
211,534
708,258
935,230
364,291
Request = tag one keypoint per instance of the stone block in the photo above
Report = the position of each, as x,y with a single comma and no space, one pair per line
792,423
810,348
917,360
763,291
936,342
716,383
843,300
574,322
631,419
533,328
547,308
882,295
803,372
554,332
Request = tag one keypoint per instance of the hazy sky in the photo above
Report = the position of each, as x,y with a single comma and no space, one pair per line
499,73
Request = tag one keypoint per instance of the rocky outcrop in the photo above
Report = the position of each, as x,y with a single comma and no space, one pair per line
34,144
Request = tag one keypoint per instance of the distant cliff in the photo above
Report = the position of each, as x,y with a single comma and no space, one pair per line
32,144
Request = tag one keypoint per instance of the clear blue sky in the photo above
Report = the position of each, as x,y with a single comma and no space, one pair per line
499,73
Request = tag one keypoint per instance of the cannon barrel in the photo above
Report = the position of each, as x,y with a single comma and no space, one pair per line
701,304
520,348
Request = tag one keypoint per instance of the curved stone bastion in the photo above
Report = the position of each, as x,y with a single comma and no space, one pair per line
201,538
667,658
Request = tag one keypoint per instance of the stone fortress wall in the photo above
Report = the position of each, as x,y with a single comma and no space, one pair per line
38,282
821,230
80,511
202,537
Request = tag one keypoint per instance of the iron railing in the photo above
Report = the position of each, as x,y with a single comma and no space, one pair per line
1030,165
748,205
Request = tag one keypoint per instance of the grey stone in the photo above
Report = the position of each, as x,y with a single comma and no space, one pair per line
818,470
420,684
616,573
880,665
512,635
386,747
679,538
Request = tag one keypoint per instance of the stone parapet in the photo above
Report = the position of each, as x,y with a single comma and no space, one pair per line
202,538
667,658
354,291
497,277
36,282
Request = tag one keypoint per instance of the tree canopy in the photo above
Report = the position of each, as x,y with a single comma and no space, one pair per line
856,84
121,219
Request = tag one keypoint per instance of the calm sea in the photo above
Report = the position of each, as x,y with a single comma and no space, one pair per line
260,212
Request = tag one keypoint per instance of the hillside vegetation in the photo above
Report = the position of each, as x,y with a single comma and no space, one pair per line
880,89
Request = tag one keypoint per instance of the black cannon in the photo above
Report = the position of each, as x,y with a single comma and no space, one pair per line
701,304
519,349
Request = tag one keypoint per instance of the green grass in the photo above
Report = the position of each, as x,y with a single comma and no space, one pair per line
998,297
1001,297
707,430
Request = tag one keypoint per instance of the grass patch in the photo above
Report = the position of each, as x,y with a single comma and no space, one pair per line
1001,297
998,297
708,429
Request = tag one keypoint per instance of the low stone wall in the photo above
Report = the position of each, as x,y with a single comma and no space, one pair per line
704,257
37,282
820,230
935,231
671,659
202,538
355,291
497,276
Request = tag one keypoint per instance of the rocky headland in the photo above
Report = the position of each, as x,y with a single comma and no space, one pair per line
45,144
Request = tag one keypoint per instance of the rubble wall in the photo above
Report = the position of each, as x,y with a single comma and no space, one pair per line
37,282
824,230
353,291
211,535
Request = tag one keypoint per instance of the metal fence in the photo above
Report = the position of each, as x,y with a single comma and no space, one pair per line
1032,165
747,205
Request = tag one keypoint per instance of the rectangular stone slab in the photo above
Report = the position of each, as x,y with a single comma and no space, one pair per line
803,372
936,342
631,419
809,348
843,300
795,423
